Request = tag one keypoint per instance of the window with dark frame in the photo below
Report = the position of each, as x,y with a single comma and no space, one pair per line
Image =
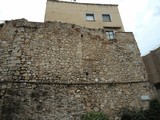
90,17
106,18
110,35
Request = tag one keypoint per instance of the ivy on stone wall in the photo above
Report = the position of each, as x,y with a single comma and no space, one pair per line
94,116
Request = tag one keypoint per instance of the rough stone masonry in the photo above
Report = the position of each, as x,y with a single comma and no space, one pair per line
58,71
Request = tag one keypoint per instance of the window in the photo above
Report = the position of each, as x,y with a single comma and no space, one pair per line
106,18
110,35
90,17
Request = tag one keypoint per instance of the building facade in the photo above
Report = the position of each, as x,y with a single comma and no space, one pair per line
104,16
152,64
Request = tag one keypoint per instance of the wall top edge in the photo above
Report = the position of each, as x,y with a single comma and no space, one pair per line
25,23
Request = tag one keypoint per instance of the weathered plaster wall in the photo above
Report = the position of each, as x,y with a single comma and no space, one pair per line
152,64
74,12
57,71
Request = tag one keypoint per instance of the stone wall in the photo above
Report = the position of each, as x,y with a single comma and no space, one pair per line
58,71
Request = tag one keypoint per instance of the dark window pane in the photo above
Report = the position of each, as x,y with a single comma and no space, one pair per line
106,18
90,17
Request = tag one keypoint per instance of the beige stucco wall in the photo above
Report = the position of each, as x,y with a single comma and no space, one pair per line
76,13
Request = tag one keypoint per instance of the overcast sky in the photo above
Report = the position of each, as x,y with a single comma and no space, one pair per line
142,17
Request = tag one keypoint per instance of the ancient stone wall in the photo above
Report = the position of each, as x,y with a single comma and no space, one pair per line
58,71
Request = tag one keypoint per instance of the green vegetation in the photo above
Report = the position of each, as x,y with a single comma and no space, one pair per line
153,113
94,116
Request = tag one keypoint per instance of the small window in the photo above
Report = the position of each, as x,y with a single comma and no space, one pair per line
90,17
106,18
110,35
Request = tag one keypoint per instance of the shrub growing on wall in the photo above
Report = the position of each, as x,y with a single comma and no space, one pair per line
94,116
153,113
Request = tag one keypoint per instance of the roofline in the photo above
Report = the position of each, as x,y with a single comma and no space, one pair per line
84,3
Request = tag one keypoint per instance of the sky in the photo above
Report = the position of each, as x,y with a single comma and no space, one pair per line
142,17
